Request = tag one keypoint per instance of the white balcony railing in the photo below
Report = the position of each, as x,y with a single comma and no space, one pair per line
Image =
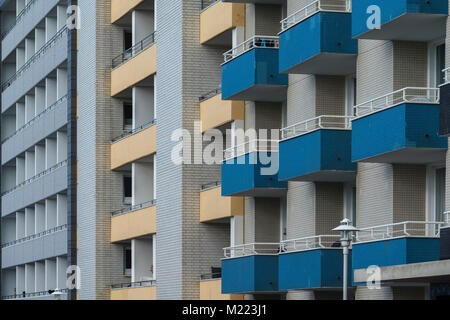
446,75
251,146
447,217
251,249
254,42
309,243
405,95
312,8
321,122
424,229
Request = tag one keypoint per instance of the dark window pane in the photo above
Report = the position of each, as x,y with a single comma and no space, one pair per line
127,187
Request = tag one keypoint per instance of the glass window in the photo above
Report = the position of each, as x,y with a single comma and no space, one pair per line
440,64
440,194
127,116
127,193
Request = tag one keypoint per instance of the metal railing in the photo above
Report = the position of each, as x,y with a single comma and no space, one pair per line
136,207
321,122
33,59
267,42
211,185
41,114
130,285
134,131
426,229
35,236
36,177
18,18
405,95
252,249
447,217
211,276
208,3
308,243
312,8
210,94
136,49
32,294
259,145
446,75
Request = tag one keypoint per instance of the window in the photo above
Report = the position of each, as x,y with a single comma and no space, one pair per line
127,190
440,64
127,261
127,40
127,116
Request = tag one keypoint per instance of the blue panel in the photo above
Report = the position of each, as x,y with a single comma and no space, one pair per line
395,252
250,274
258,66
314,152
321,268
247,173
402,126
324,32
390,10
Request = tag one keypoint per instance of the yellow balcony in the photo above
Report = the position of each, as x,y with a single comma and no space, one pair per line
133,293
212,290
215,207
134,65
219,18
215,112
138,222
135,146
119,8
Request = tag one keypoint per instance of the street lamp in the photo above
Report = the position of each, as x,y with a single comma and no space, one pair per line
57,294
346,229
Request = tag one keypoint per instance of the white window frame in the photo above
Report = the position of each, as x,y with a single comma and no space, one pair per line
432,46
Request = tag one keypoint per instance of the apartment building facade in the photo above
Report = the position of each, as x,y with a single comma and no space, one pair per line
346,119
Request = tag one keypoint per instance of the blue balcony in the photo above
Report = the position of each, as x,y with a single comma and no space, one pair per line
445,106
408,20
401,127
311,263
318,42
396,244
318,149
250,72
249,171
254,271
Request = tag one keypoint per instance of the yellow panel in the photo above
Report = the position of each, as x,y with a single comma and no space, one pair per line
134,147
143,293
213,206
133,224
215,112
119,8
212,290
219,18
134,70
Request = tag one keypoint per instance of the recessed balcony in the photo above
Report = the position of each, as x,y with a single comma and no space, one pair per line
250,268
215,207
251,169
317,149
407,20
400,127
133,145
218,19
250,72
145,290
120,8
215,112
317,40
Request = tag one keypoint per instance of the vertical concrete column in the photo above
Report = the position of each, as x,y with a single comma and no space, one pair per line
142,24
61,276
143,105
50,91
50,28
142,182
39,100
39,282
50,152
39,158
39,215
30,228
50,274
20,115
29,49
61,209
29,278
364,293
20,57
20,171
300,295
61,146
61,17
29,107
39,38
61,83
236,230
142,259
30,169
20,279
50,214
20,225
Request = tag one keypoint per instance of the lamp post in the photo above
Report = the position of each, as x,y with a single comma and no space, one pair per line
346,229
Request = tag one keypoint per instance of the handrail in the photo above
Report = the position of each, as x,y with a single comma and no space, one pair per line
34,178
30,61
429,229
259,145
267,42
136,207
405,95
18,18
251,249
314,7
208,3
313,242
134,131
447,217
135,50
35,236
210,94
210,186
321,122
29,123
138,284
32,294
446,75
